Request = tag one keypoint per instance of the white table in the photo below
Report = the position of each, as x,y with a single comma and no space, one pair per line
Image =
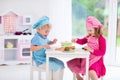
79,53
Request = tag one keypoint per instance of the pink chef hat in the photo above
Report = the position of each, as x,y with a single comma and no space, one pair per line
93,22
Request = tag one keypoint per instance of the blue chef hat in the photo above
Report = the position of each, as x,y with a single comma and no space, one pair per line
42,21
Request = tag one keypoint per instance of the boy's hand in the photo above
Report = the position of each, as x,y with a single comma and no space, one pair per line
54,41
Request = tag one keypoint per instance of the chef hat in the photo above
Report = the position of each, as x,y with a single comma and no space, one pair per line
41,22
93,22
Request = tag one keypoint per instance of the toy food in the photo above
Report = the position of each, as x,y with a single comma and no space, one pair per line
66,46
60,48
9,45
71,48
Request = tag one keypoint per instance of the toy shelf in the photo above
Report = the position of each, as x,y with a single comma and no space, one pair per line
15,49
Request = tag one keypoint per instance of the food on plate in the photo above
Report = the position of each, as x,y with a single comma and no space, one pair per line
60,48
71,48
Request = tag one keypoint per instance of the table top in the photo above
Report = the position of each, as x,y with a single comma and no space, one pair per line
78,52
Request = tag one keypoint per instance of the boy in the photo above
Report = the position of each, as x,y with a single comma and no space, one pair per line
40,43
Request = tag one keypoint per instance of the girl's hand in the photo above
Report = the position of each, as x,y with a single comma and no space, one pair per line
88,49
74,40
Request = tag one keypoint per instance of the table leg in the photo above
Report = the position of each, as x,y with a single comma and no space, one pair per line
47,68
87,68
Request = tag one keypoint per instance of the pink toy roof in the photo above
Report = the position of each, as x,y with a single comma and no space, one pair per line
10,13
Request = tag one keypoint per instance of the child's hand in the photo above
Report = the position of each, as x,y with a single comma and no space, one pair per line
74,40
88,49
54,41
46,46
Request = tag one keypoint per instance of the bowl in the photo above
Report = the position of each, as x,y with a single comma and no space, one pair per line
66,44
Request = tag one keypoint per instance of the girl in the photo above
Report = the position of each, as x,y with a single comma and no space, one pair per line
96,45
40,43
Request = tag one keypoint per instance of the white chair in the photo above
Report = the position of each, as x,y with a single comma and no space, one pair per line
102,78
33,67
74,78
42,68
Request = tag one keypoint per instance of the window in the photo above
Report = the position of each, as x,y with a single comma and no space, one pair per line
118,35
81,9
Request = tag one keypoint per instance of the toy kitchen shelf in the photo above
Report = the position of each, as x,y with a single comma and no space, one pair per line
15,49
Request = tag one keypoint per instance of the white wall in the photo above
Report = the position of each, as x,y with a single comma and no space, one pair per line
34,8
59,12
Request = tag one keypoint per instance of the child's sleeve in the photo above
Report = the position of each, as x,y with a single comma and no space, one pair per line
35,41
48,41
82,41
102,47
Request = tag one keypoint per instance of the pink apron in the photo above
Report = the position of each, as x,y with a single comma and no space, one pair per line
93,43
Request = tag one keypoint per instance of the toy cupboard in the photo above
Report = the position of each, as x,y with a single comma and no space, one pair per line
15,41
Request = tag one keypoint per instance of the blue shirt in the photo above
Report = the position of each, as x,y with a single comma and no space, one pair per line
40,57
